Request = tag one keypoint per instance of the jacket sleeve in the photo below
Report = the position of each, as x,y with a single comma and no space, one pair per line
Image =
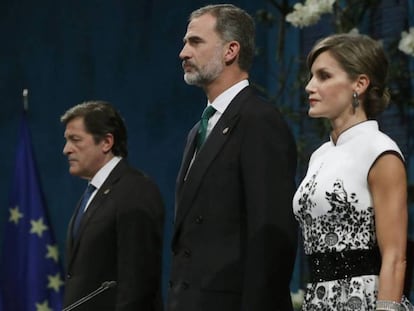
139,247
269,167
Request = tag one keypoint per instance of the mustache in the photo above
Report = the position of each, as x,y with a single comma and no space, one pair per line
187,63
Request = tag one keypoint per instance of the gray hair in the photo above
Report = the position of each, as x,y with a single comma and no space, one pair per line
233,24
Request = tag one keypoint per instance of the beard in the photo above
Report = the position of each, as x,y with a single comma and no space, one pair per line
201,76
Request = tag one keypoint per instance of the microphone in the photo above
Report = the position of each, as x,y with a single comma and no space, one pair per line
104,286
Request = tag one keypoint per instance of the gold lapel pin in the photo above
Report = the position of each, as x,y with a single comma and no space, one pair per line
107,191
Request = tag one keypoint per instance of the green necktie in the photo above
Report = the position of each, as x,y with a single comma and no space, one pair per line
202,130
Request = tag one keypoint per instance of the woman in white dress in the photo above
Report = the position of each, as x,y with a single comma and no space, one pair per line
352,203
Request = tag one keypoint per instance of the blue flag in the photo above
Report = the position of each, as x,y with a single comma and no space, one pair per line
31,277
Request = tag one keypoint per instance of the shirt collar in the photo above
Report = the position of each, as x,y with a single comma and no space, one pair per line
104,172
224,99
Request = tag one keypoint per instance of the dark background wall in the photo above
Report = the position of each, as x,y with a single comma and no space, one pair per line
125,52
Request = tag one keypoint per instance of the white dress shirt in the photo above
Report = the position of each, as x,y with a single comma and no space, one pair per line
101,176
222,102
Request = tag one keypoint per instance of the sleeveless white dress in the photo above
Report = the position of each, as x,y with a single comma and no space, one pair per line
334,207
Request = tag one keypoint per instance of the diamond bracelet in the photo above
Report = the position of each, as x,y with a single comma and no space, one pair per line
388,305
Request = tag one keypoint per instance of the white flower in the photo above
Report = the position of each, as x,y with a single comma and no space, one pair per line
302,16
407,42
309,13
321,6
297,299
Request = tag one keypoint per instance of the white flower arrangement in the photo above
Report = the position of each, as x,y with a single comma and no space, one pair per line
309,13
297,299
406,44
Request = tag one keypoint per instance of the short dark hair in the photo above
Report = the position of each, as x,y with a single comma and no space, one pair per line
101,118
233,24
359,54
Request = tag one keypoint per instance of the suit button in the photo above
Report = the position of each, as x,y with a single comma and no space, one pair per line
68,276
199,219
187,253
185,285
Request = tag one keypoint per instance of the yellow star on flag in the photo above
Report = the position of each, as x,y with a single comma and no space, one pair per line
38,227
44,306
55,282
15,215
52,252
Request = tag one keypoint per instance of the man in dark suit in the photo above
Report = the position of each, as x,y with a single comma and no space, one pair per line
235,237
117,236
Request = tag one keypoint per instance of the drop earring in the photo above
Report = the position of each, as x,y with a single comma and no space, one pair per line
355,101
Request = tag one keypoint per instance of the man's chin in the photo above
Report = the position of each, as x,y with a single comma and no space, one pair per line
73,171
191,79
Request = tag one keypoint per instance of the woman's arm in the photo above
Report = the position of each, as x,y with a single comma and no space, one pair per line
388,185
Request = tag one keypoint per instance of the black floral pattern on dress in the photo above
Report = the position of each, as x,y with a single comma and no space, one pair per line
342,227
341,295
335,219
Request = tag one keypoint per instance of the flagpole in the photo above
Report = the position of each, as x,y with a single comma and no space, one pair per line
24,266
26,100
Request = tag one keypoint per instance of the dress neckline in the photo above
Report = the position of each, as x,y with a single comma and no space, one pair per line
352,131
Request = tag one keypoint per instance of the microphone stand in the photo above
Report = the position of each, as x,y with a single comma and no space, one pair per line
105,285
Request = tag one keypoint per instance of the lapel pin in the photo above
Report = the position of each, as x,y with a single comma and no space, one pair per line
225,131
107,191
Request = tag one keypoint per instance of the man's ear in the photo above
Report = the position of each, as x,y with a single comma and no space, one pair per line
232,51
107,142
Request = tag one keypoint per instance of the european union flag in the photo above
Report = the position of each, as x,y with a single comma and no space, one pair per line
30,272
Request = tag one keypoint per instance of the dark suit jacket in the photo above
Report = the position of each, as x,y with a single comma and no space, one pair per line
119,239
235,236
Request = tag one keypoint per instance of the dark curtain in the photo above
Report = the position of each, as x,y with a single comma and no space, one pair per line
125,52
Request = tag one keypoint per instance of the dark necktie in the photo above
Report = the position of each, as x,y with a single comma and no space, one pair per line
202,130
88,192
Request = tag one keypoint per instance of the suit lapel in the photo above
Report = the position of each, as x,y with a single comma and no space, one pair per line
187,157
93,207
187,190
69,235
